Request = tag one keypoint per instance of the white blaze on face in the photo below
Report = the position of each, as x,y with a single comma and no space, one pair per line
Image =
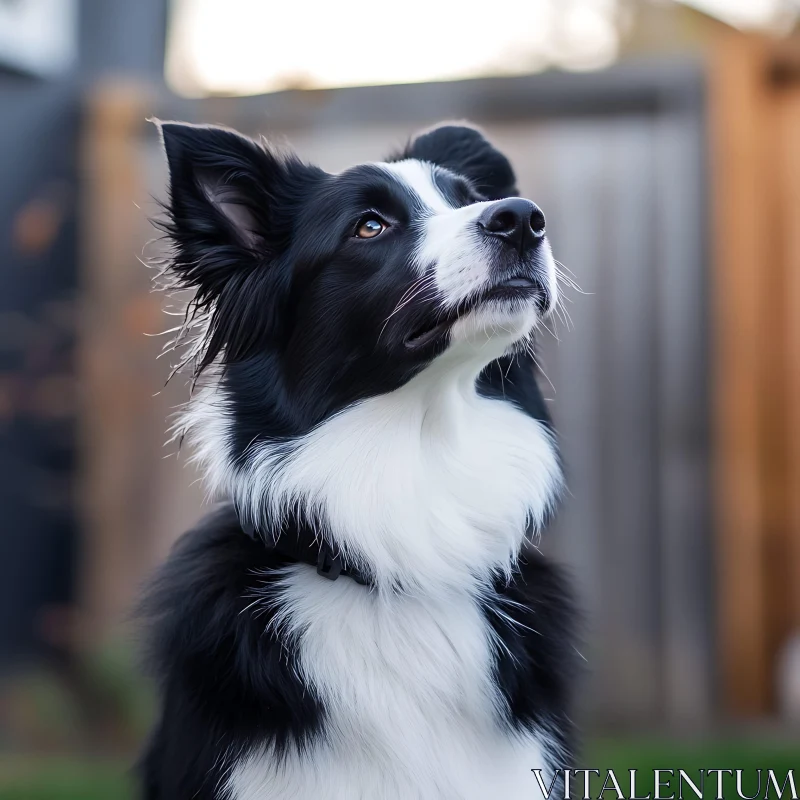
452,245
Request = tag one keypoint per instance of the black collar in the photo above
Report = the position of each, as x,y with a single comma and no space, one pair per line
304,547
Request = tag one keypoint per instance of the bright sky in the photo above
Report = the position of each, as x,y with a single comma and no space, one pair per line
250,46
253,46
742,13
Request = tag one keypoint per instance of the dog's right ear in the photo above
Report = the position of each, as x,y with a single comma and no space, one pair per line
229,213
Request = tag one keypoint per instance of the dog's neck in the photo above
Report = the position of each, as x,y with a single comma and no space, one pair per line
425,488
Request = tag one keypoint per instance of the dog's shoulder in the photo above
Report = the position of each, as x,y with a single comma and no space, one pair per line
212,562
227,680
535,623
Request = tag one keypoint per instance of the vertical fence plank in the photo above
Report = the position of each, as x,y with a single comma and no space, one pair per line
577,179
631,460
740,196
788,130
683,420
113,316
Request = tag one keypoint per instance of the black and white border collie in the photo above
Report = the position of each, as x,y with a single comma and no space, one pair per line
365,617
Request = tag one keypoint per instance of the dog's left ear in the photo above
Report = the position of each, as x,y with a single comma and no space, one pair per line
466,151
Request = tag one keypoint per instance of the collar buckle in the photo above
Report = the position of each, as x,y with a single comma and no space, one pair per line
328,565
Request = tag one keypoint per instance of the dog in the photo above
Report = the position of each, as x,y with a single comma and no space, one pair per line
365,615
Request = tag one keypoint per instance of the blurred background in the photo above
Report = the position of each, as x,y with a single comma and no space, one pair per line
662,140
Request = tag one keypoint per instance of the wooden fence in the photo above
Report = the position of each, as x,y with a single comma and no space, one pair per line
618,161
755,116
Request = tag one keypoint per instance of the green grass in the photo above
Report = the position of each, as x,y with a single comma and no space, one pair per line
648,755
65,779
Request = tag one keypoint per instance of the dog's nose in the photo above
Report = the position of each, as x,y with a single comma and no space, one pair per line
516,220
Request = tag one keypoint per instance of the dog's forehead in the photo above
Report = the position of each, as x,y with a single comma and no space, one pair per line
423,180
422,184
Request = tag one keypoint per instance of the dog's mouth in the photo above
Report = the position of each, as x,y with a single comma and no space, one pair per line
515,288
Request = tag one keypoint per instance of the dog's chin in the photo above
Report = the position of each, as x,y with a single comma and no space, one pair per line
494,327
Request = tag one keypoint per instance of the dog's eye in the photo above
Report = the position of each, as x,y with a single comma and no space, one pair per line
370,227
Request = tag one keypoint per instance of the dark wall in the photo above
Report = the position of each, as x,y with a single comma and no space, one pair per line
38,397
40,122
123,37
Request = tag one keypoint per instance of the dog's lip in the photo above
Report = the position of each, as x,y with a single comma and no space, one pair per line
516,286
520,282
423,336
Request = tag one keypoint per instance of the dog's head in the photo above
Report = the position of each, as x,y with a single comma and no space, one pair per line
338,287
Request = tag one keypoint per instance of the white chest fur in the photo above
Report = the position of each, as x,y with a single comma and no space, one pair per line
428,486
411,710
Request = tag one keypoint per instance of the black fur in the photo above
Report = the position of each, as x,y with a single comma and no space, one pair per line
226,681
538,663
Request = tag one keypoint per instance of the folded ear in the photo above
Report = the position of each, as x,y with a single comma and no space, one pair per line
228,217
465,150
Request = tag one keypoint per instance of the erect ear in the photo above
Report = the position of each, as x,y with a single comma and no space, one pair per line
229,214
224,202
465,150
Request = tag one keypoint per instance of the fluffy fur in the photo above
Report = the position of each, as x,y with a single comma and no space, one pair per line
376,392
